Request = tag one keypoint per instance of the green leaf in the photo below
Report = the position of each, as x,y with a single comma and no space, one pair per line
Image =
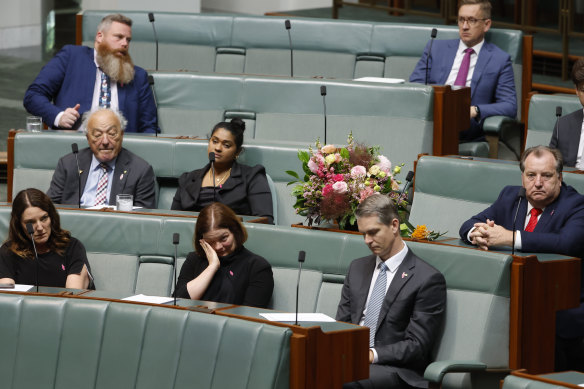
345,153
303,156
293,174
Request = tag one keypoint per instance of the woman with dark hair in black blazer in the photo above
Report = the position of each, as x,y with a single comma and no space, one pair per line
243,188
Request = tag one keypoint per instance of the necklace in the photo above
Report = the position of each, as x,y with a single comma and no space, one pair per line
220,180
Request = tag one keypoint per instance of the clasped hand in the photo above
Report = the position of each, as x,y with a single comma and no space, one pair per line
489,234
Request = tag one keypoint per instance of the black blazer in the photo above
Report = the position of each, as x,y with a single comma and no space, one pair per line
410,318
566,136
132,175
246,191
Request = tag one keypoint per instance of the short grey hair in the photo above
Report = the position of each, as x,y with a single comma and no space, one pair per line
87,115
378,205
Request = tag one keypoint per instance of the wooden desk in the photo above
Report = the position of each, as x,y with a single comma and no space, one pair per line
322,355
451,115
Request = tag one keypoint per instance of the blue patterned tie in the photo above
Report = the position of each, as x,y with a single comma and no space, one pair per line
375,303
105,97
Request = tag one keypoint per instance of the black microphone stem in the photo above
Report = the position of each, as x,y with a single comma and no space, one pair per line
521,194
323,94
75,149
432,36
288,26
175,240
151,18
30,230
151,82
301,258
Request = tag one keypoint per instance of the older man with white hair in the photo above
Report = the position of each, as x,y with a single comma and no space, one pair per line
106,169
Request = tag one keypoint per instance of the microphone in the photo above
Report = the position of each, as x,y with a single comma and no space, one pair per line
409,178
287,24
301,257
558,114
432,36
151,18
323,94
30,231
212,161
151,83
175,239
75,150
520,195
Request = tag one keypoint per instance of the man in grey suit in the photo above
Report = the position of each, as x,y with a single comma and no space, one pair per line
567,135
395,293
105,168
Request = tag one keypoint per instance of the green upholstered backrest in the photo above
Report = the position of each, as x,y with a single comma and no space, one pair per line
443,197
72,343
542,116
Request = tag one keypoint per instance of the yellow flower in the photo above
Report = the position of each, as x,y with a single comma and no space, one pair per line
376,188
329,159
381,174
421,232
396,170
374,170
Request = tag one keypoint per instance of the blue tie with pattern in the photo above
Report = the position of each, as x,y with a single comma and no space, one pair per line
105,95
375,303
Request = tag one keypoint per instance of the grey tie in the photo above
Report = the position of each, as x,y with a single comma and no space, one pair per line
375,303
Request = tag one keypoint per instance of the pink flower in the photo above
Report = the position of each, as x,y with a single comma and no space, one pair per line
327,189
328,149
384,163
313,166
338,177
358,172
368,191
340,187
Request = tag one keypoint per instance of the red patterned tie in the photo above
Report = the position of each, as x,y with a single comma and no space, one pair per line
463,71
535,212
100,195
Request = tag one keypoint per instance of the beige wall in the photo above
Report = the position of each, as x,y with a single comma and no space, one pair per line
20,23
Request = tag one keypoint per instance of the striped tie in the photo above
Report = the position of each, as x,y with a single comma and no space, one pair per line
101,193
375,302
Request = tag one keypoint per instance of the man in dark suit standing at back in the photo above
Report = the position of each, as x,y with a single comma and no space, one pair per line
397,295
567,136
105,168
471,61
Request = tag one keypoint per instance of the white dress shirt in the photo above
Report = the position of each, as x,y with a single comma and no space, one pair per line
458,61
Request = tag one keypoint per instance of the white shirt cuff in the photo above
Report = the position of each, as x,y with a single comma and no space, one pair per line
375,357
57,119
518,240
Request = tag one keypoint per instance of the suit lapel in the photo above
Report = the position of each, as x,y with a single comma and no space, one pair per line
485,56
363,286
575,131
121,96
84,165
548,213
402,276
448,60
120,176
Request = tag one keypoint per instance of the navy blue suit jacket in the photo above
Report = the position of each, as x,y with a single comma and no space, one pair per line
69,78
566,136
492,85
560,229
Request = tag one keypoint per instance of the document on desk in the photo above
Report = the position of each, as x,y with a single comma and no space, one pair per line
142,298
291,317
20,288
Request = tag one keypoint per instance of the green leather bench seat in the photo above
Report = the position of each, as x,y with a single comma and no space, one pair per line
542,116
132,253
399,118
514,382
259,45
448,191
51,342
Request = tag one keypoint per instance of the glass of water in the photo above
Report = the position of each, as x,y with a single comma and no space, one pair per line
124,202
34,123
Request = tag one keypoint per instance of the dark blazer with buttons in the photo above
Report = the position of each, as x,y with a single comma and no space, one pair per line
566,136
410,318
132,175
246,191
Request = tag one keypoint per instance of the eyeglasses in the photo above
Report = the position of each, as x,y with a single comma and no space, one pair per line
471,21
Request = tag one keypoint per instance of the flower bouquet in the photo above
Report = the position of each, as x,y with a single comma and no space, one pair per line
337,179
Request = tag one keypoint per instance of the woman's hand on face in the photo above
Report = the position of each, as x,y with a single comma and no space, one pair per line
210,253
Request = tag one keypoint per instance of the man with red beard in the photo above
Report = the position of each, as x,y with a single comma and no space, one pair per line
79,79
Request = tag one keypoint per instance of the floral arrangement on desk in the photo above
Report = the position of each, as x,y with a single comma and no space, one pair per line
337,179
